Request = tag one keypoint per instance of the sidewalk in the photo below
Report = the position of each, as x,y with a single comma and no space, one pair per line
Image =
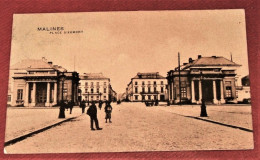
235,115
33,119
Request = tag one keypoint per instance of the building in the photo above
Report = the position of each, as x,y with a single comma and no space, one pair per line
40,83
95,87
243,92
209,78
147,87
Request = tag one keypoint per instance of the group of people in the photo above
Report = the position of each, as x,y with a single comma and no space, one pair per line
92,112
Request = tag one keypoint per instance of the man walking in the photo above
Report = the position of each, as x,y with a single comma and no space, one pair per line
83,106
92,112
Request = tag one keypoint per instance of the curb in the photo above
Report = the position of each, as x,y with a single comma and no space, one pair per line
18,139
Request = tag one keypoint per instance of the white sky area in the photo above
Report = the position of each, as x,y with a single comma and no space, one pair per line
120,44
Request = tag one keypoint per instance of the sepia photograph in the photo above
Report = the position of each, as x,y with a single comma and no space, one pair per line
129,81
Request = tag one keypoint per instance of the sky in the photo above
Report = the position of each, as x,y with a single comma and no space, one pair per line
120,44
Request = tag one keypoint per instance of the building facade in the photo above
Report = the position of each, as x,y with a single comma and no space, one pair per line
209,78
243,91
95,87
147,87
40,83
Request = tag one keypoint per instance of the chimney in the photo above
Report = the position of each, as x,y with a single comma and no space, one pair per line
190,60
50,63
199,56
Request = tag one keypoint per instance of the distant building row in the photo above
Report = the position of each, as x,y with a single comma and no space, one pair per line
212,79
40,83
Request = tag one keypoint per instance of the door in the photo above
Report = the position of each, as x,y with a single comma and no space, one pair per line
41,94
207,91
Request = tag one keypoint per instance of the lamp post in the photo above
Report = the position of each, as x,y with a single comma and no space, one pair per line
62,107
88,98
100,96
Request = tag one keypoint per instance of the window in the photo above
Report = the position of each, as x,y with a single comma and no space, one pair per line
149,97
149,89
91,97
97,83
149,82
92,83
161,82
136,89
154,82
97,90
9,98
136,83
143,90
86,90
86,84
143,83
97,97
155,97
161,89
105,83
19,94
143,97
136,97
86,97
228,92
183,92
105,97
154,89
105,90
92,90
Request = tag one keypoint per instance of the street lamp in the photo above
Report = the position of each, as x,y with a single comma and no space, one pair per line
88,98
62,107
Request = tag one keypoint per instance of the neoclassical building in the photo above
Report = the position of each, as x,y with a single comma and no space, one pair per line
209,78
147,87
95,87
37,82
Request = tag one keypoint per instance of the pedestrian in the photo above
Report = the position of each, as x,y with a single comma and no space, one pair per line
108,110
92,112
100,104
83,105
203,112
70,106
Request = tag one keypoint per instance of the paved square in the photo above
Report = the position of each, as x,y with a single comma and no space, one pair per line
135,127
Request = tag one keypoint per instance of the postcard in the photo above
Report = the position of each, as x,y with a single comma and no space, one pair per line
129,81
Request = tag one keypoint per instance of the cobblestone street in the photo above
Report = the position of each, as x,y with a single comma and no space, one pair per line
135,127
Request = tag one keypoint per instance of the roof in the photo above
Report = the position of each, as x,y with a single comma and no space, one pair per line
92,76
210,61
30,64
148,75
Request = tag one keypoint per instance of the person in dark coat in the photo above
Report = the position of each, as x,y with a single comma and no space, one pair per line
100,104
108,110
83,105
92,112
203,112
70,105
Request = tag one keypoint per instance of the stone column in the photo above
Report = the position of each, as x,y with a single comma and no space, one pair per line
200,92
55,94
33,94
48,95
222,100
215,101
192,92
26,97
